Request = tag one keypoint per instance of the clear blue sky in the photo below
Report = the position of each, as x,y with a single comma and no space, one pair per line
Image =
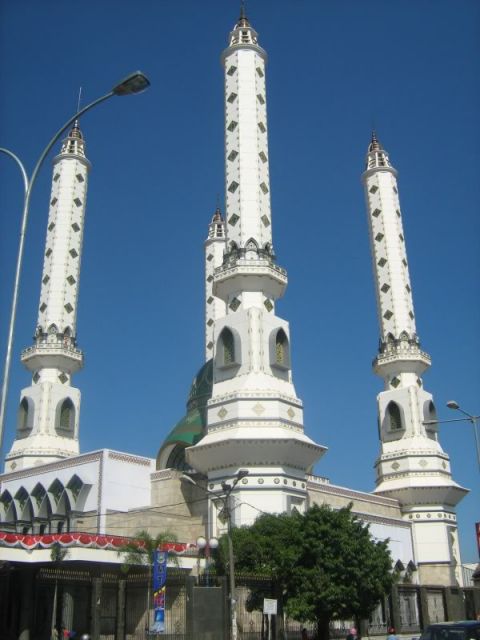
335,68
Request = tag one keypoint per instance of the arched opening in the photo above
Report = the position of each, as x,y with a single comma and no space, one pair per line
281,349
394,416
66,418
24,420
227,345
430,419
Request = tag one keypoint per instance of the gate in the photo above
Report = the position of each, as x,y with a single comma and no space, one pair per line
435,605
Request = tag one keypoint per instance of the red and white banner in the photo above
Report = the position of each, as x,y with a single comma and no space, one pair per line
86,540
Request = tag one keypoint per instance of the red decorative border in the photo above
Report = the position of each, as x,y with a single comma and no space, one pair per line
85,540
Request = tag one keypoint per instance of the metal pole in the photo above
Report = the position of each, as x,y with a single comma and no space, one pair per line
231,561
474,422
26,206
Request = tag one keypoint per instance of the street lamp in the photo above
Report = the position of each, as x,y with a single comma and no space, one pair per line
227,511
451,404
208,545
133,83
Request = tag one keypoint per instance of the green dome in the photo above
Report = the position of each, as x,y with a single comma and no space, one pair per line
191,428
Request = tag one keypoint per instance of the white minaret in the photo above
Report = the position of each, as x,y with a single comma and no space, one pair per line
214,249
412,466
255,420
48,415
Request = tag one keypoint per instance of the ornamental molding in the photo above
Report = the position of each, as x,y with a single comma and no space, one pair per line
164,474
131,459
265,423
255,394
417,453
350,493
73,461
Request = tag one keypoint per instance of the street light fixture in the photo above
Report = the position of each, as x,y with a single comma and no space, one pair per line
208,545
133,83
227,489
451,404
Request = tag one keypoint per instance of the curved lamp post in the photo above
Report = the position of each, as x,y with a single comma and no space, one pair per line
227,511
134,83
451,404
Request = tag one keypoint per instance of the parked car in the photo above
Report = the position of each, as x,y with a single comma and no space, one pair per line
463,630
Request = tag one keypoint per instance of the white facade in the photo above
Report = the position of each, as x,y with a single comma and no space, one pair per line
412,466
76,493
255,419
48,417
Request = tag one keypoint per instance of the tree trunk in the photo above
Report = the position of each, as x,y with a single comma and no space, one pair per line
323,629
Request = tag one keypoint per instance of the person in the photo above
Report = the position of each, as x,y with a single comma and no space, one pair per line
304,634
352,634
391,634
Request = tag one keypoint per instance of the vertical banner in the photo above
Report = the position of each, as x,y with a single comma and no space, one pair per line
477,529
159,580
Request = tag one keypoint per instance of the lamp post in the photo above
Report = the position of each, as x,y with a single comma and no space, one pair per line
208,545
133,83
451,404
227,511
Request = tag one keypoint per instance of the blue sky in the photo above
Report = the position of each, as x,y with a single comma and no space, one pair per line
336,68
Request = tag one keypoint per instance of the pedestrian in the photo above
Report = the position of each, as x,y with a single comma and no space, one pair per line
391,634
352,634
304,634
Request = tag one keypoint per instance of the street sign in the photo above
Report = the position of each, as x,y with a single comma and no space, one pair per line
270,606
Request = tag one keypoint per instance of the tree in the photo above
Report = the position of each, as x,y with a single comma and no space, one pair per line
139,552
325,564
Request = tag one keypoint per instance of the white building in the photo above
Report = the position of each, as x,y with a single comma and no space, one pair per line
243,412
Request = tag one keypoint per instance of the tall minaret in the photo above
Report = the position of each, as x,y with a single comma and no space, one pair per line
412,467
214,249
48,415
255,420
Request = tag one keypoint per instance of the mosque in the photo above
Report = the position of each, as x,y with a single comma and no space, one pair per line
243,427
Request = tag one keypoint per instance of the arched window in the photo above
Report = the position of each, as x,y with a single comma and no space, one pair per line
430,419
228,346
281,348
66,416
394,416
23,415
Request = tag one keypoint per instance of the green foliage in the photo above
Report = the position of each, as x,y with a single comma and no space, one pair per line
325,564
58,553
139,550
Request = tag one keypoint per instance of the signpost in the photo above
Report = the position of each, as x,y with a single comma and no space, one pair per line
269,609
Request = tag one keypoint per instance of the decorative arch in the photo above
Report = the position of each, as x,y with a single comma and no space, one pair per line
65,419
56,490
282,351
394,417
25,417
430,415
279,349
24,505
8,510
227,353
38,496
53,329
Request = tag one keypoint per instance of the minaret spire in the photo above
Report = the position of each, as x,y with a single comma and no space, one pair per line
255,419
48,417
215,308
412,467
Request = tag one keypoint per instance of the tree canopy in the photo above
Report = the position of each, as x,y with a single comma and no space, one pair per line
325,564
139,550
